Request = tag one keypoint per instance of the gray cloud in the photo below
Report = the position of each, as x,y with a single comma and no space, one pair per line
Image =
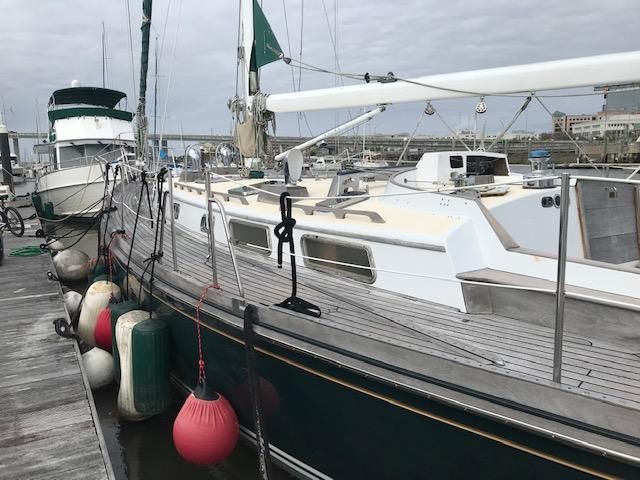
46,44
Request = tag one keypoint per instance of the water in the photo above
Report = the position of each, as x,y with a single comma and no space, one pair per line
144,450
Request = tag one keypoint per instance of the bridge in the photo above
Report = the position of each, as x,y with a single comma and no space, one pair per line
391,146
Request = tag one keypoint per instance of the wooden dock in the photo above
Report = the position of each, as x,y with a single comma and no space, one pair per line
49,427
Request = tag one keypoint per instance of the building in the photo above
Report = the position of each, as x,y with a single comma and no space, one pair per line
613,124
620,115
627,101
563,122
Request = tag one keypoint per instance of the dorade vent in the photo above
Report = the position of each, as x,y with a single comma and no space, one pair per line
325,251
203,223
176,211
252,236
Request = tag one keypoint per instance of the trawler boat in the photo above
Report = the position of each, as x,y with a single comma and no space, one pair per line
87,130
406,322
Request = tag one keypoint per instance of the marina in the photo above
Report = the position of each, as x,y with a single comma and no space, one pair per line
323,286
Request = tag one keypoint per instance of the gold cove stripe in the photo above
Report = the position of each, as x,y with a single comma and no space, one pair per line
404,406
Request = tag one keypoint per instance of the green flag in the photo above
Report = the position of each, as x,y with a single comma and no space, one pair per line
266,49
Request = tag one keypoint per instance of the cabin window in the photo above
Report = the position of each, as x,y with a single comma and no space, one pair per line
455,161
176,211
484,165
250,235
337,251
203,224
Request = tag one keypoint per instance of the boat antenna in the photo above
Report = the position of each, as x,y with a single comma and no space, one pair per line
104,59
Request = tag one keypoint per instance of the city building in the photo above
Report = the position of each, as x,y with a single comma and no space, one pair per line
623,100
563,122
612,124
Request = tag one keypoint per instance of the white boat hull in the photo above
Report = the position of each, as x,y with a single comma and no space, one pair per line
75,192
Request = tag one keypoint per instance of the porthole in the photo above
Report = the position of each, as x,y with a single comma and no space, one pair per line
547,202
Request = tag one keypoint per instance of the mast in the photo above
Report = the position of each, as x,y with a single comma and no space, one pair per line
257,47
246,48
144,67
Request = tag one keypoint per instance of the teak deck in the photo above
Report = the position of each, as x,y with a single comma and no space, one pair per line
48,424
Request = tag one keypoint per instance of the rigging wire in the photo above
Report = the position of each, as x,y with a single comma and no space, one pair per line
385,78
573,140
173,58
513,120
293,76
304,115
455,134
131,62
164,29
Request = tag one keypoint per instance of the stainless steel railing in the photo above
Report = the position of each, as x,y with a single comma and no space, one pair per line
232,252
562,269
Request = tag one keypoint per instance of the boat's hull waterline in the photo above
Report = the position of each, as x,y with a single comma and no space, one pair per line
335,421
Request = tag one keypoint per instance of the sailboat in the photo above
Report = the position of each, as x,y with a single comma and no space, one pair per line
87,130
406,321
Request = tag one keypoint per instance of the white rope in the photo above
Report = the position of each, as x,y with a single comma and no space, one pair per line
607,179
133,211
636,170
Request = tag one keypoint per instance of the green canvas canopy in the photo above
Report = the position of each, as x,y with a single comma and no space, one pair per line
103,97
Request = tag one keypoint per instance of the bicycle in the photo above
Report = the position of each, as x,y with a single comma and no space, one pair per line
10,218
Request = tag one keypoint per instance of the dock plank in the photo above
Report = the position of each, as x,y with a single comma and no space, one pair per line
47,423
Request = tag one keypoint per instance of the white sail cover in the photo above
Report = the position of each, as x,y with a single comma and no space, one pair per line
534,77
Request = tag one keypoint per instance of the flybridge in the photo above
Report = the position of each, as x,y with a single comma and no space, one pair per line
102,97
85,102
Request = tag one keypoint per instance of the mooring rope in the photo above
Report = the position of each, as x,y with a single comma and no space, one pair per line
143,187
284,232
155,255
202,374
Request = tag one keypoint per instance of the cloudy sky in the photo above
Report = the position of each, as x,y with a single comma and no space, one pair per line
46,44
